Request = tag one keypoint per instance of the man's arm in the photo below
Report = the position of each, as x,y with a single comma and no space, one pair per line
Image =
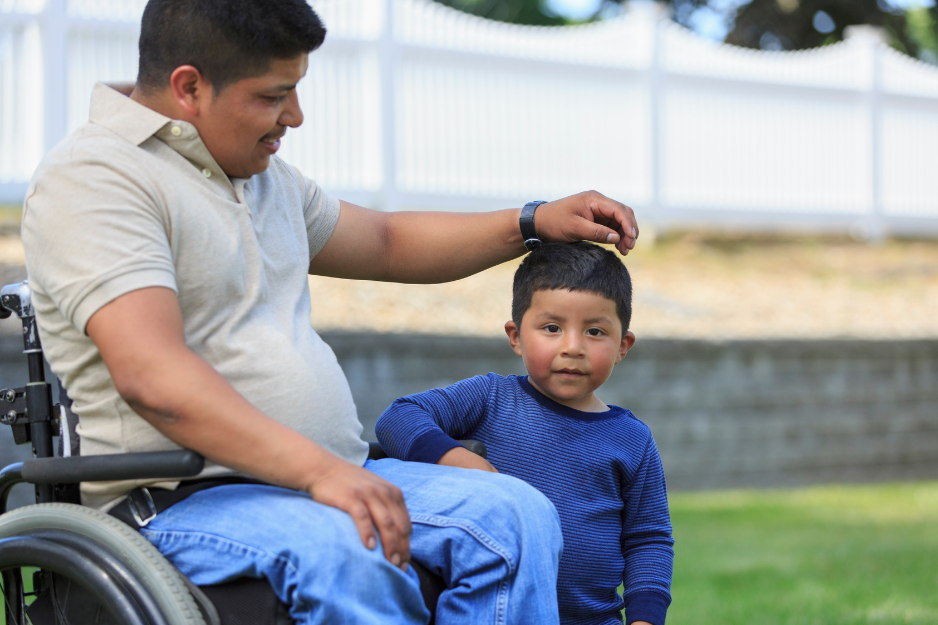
140,337
430,247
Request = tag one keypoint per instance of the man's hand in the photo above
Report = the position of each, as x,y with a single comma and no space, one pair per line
587,216
372,502
462,457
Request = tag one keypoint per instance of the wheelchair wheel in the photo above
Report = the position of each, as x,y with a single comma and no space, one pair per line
153,588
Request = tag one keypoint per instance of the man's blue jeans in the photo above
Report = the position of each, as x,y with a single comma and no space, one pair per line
493,539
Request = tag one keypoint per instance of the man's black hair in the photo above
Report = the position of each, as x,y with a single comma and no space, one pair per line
574,267
226,40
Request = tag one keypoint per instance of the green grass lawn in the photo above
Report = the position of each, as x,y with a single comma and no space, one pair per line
832,555
819,556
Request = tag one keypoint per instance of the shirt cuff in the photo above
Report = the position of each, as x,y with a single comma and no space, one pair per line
647,606
430,446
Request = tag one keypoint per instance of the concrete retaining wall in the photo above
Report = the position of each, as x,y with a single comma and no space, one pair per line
736,413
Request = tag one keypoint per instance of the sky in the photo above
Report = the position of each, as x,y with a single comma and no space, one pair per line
707,22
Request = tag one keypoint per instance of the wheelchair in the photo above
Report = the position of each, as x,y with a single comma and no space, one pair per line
62,563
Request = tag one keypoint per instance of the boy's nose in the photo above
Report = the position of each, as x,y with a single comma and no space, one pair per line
572,345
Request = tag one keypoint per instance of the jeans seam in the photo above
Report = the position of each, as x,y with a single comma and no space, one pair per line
501,604
182,534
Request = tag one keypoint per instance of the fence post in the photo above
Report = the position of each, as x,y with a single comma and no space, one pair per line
54,32
656,97
387,62
874,227
878,228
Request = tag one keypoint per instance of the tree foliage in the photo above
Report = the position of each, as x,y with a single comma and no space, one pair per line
802,24
766,24
532,12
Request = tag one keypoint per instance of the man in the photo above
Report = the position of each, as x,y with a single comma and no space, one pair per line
168,248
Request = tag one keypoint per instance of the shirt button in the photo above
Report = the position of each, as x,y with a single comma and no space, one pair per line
176,131
207,172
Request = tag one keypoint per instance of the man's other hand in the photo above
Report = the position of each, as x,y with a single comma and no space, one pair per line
372,502
462,457
587,216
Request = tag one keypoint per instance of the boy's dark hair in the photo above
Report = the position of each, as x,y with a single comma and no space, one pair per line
575,267
226,40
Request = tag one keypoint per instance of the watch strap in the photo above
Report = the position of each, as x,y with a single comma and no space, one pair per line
526,221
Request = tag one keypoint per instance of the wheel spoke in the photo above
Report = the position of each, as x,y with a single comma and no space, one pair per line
60,615
6,600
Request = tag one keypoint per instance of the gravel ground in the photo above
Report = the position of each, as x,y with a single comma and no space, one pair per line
689,286
686,285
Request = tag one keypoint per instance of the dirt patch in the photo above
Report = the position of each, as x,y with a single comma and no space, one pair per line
686,285
693,286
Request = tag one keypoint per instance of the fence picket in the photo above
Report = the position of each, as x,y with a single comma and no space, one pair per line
410,104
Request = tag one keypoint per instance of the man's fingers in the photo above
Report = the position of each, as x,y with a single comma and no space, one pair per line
589,216
361,516
617,216
393,523
598,233
376,506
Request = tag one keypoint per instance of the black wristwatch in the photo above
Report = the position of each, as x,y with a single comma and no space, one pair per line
528,233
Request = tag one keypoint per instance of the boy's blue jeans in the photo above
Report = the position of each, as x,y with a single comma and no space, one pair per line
495,541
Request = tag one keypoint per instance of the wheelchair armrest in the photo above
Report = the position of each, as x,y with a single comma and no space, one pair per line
375,452
146,465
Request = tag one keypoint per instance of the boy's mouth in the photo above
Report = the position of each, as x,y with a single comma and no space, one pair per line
570,373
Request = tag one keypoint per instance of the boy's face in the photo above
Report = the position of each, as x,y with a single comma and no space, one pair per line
570,341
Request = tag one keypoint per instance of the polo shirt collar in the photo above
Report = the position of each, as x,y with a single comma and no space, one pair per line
112,108
117,112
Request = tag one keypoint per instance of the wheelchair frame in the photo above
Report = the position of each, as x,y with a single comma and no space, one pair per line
108,577
34,419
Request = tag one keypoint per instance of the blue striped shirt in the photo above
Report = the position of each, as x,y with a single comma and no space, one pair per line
600,469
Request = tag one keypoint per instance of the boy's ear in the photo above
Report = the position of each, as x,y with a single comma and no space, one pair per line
628,340
514,336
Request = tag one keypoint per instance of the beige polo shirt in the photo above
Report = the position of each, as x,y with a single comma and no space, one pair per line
133,199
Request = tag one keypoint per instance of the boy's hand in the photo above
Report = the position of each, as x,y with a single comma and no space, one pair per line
462,457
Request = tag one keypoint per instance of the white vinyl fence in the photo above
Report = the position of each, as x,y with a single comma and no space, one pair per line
410,104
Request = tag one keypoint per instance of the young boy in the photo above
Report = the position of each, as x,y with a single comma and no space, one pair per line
598,464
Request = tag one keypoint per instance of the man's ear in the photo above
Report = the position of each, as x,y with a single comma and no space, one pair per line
514,336
190,89
628,340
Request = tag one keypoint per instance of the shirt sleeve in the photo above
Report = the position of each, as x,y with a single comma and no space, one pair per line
321,212
93,232
423,427
647,545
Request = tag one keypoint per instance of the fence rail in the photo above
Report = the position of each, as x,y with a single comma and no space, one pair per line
410,104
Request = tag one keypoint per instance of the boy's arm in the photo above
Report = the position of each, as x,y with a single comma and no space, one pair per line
424,427
647,544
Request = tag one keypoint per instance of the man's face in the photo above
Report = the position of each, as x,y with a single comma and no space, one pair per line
242,125
569,341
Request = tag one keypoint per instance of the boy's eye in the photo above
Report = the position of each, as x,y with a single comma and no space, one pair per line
276,99
552,328
595,332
